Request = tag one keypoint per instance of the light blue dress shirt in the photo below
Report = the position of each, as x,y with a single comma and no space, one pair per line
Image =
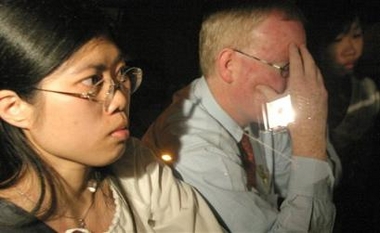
203,139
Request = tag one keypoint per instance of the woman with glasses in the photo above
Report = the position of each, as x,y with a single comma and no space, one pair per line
67,162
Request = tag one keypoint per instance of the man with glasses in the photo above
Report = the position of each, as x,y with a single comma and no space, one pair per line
251,56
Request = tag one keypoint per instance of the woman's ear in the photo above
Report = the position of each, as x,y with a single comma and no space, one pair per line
14,110
225,65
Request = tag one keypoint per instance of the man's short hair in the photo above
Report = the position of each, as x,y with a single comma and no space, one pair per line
230,23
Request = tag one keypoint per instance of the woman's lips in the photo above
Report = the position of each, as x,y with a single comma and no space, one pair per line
349,66
122,133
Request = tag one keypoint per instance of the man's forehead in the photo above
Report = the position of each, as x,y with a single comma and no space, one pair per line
275,30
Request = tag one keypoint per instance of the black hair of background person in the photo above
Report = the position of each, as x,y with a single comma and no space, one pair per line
329,12
356,196
324,23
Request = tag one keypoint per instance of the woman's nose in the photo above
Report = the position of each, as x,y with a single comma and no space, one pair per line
120,101
350,48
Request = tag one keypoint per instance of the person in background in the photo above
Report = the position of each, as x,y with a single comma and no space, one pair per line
336,41
67,162
252,53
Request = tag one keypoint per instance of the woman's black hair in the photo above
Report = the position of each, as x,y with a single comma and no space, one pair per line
37,36
326,20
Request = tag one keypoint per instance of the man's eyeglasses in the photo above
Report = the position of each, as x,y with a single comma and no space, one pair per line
133,74
284,70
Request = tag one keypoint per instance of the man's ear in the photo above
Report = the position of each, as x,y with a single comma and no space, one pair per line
225,65
14,110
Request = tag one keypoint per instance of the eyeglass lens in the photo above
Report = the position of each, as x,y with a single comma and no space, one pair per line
134,75
284,71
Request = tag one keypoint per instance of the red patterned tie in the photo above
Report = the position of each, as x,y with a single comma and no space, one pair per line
248,160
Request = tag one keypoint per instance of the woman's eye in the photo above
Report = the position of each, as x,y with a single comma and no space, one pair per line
123,74
339,38
358,35
92,81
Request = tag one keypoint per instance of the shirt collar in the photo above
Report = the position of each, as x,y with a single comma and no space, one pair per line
202,92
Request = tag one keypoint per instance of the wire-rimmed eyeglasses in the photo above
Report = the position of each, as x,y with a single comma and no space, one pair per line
284,70
133,74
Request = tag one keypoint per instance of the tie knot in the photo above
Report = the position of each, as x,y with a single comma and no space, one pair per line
246,144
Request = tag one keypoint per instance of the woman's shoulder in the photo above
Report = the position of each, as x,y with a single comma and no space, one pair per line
14,219
139,174
136,161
